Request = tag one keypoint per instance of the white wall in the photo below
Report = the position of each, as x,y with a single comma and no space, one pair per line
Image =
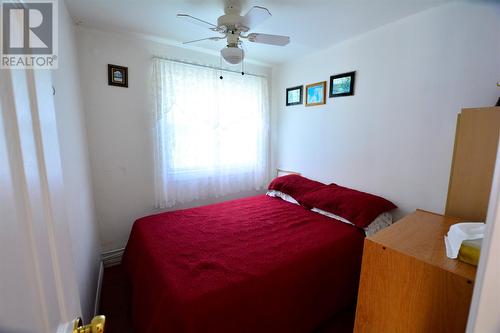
120,126
75,164
395,136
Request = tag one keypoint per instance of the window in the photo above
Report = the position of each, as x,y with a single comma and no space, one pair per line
211,134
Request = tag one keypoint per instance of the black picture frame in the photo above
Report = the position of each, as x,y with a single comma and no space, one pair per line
301,94
351,75
117,76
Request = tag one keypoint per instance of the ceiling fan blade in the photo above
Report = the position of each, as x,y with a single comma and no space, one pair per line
197,21
202,39
268,39
254,17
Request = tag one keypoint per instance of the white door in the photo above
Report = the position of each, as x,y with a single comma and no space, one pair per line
484,315
38,289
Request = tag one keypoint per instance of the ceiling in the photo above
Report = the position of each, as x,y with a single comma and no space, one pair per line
311,24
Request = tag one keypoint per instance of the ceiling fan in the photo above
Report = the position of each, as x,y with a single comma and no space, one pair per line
233,27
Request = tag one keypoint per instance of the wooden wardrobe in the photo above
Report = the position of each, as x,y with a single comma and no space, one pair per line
474,156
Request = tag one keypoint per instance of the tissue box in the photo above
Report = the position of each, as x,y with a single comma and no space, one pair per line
470,251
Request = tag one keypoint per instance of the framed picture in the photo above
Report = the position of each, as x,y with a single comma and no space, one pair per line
316,94
117,76
294,96
342,84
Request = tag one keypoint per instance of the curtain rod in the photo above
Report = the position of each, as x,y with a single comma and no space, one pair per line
208,66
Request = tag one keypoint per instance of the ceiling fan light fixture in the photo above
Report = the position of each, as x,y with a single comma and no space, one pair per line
232,54
233,27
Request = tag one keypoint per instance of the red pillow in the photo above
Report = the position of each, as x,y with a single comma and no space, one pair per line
357,207
294,185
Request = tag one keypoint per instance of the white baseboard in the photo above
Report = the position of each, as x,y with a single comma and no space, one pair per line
108,259
98,289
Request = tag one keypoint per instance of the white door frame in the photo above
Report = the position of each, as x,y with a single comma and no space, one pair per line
484,315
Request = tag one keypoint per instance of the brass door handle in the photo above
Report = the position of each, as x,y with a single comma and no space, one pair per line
95,326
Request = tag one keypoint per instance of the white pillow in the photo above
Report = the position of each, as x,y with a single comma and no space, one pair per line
284,196
382,221
331,215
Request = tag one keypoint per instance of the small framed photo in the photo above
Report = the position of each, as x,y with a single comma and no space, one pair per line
342,84
316,94
117,76
294,96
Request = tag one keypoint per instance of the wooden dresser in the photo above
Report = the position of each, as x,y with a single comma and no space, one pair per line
407,282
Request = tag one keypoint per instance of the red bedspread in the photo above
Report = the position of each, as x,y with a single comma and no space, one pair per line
257,264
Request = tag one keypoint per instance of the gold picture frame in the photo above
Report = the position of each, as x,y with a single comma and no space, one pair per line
316,94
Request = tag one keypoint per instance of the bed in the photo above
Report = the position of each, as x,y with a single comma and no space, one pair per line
258,264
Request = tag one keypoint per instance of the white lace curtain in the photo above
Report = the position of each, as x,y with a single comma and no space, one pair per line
212,135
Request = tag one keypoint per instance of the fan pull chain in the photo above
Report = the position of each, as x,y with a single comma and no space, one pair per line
243,60
220,67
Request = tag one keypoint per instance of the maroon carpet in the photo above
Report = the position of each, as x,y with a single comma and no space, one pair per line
115,305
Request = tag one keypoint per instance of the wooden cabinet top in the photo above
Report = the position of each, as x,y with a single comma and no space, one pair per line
421,235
